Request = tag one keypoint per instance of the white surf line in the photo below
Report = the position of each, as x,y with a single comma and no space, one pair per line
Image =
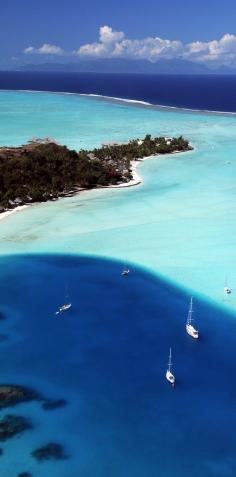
128,101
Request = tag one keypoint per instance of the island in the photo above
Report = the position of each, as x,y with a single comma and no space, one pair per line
43,170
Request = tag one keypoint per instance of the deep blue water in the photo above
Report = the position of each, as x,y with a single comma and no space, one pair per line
107,357
205,92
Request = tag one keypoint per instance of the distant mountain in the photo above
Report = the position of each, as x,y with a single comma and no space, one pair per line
119,65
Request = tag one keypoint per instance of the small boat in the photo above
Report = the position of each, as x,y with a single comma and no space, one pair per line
67,305
169,375
227,290
189,327
125,271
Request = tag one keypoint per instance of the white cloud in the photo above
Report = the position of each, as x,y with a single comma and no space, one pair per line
109,40
114,44
30,49
107,35
45,49
221,51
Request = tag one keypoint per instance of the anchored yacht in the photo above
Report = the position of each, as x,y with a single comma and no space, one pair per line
189,327
169,375
67,305
125,271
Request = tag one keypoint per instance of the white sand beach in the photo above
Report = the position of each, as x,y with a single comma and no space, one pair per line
134,181
6,214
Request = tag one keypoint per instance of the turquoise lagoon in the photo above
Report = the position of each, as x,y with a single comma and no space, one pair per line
107,356
180,223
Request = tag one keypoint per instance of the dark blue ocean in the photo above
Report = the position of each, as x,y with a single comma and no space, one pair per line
107,359
204,92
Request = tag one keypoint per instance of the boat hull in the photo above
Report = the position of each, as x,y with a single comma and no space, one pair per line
63,308
170,378
125,273
192,332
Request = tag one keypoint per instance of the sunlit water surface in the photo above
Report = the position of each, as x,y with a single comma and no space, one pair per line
107,356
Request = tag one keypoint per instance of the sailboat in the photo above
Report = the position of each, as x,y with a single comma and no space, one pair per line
67,305
169,375
125,271
189,327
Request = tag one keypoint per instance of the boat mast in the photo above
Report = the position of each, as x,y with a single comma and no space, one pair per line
189,320
169,363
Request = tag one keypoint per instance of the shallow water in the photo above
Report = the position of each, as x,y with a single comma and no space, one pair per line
180,222
108,355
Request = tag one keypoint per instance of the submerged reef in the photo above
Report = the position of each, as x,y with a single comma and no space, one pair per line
51,404
52,450
11,395
24,474
11,425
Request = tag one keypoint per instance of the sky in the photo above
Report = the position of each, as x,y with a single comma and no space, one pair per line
202,30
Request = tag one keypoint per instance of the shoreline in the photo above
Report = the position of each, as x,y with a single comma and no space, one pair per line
136,180
7,213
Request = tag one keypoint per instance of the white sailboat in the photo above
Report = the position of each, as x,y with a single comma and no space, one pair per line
125,271
169,375
67,305
189,327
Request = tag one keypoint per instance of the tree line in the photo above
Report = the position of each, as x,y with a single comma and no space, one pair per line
41,171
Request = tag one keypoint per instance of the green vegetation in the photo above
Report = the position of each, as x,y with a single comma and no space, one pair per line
44,170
